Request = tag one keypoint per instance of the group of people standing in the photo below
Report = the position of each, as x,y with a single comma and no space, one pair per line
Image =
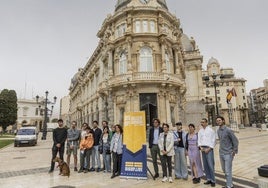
91,142
198,146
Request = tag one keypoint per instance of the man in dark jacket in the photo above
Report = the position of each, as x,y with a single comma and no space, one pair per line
95,150
153,144
59,138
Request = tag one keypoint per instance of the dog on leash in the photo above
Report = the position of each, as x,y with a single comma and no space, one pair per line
64,168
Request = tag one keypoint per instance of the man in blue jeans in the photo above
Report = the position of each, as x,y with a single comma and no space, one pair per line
228,149
206,143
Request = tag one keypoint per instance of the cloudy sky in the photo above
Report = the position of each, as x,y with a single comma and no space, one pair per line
44,42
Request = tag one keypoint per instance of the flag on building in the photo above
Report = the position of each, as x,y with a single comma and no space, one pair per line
231,93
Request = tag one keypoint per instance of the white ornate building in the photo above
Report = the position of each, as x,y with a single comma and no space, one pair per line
143,61
237,109
29,113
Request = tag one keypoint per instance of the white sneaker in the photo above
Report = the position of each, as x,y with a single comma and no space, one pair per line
164,179
170,180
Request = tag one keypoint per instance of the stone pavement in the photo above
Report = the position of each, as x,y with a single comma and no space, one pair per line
27,167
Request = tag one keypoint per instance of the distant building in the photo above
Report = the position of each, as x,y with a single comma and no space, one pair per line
237,109
29,113
259,104
65,110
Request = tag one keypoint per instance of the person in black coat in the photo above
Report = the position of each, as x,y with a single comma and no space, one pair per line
59,138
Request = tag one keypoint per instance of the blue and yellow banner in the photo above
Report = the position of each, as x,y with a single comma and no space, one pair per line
134,159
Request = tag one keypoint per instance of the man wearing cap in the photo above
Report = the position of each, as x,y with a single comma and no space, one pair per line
180,169
59,138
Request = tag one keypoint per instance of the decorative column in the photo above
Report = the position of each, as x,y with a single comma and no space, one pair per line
110,61
129,55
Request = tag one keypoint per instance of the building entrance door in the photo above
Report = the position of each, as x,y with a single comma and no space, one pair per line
148,103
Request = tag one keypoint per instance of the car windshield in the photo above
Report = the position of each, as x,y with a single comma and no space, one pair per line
26,132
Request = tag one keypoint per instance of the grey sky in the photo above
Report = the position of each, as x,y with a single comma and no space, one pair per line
44,42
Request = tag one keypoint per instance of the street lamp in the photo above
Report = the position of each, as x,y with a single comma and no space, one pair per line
215,84
45,102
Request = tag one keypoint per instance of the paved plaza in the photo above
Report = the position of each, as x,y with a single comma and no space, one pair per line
27,167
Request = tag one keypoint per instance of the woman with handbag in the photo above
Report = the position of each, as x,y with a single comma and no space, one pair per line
104,149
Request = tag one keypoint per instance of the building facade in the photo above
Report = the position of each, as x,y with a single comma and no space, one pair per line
258,99
218,82
64,110
143,61
29,113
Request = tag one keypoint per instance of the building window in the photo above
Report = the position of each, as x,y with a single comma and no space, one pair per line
120,30
219,105
36,111
145,25
207,92
123,63
218,91
244,97
138,26
152,26
219,99
227,83
146,59
167,63
243,91
24,111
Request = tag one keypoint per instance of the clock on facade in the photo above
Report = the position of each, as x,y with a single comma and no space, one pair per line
144,1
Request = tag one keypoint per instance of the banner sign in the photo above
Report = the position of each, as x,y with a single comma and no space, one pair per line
134,159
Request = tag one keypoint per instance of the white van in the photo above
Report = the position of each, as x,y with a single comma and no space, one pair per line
26,135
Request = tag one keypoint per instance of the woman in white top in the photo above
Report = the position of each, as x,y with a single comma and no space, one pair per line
166,146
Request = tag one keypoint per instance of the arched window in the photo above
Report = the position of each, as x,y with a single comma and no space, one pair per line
146,59
123,63
167,63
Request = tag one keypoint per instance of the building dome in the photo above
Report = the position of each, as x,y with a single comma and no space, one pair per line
121,3
213,60
186,43
124,3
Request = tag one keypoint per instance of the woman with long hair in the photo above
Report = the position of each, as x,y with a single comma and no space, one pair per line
166,146
193,153
105,142
117,149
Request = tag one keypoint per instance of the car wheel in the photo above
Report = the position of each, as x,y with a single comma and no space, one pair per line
15,145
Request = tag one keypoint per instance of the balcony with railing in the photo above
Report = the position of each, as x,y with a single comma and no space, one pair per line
145,77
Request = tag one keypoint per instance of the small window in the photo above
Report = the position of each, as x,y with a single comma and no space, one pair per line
152,26
138,26
145,26
243,91
207,92
167,63
36,111
218,91
123,63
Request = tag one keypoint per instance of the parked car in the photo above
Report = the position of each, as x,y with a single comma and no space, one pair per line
26,135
